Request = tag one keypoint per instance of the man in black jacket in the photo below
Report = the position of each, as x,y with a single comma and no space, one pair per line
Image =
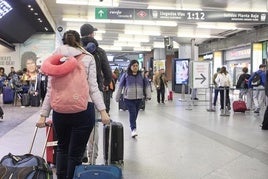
104,78
104,74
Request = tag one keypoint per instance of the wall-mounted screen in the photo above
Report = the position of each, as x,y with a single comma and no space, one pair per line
4,8
181,71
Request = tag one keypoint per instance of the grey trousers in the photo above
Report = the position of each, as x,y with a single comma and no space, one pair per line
93,153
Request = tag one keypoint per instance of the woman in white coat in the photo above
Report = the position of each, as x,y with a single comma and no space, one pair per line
223,80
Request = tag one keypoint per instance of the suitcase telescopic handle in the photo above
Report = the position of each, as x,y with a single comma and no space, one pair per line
109,142
49,125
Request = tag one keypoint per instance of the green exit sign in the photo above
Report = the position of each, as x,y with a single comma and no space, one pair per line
101,13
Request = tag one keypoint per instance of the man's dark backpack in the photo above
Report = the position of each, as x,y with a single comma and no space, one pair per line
99,56
242,82
256,81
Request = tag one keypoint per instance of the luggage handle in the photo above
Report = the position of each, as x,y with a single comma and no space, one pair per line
49,125
109,142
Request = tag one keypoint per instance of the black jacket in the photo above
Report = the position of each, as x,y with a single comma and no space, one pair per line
242,81
104,72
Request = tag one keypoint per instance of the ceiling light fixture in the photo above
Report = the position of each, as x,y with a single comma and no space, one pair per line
147,49
196,35
111,48
224,26
133,39
106,3
133,22
142,30
173,7
126,44
158,45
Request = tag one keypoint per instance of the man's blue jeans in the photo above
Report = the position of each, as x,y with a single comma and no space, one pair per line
73,132
133,106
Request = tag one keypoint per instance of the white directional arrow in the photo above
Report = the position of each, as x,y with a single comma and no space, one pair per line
100,13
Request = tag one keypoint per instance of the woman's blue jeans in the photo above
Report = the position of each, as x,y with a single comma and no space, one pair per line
73,132
133,106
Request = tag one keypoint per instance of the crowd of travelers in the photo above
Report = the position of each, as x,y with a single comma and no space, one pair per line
27,86
253,90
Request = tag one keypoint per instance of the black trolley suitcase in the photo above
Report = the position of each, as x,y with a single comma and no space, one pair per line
117,143
27,166
142,105
35,100
108,171
1,112
25,99
121,103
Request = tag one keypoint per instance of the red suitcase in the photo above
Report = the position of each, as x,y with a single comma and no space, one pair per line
170,96
51,146
239,106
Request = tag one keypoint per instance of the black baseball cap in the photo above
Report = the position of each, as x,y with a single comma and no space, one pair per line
87,29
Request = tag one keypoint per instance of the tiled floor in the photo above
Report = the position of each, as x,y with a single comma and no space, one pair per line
176,141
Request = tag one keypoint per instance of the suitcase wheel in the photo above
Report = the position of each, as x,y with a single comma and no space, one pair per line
118,163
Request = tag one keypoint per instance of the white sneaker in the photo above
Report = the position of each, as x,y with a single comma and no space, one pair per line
134,133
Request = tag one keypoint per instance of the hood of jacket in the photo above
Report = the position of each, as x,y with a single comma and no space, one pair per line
87,39
67,50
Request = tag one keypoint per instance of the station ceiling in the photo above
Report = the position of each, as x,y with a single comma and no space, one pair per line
181,20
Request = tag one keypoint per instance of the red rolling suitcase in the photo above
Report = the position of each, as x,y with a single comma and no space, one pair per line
239,106
51,145
170,95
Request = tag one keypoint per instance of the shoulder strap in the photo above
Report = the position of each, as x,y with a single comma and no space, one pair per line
79,58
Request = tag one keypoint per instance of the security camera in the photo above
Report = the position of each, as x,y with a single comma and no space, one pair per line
60,29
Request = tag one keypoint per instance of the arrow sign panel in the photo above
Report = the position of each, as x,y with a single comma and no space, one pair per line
201,74
202,78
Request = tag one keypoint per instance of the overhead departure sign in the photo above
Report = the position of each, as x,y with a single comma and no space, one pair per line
251,17
181,15
210,16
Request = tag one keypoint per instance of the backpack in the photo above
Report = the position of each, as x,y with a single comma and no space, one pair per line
256,81
103,69
104,72
242,82
69,85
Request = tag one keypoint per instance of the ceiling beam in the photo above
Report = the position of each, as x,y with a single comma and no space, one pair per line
7,44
